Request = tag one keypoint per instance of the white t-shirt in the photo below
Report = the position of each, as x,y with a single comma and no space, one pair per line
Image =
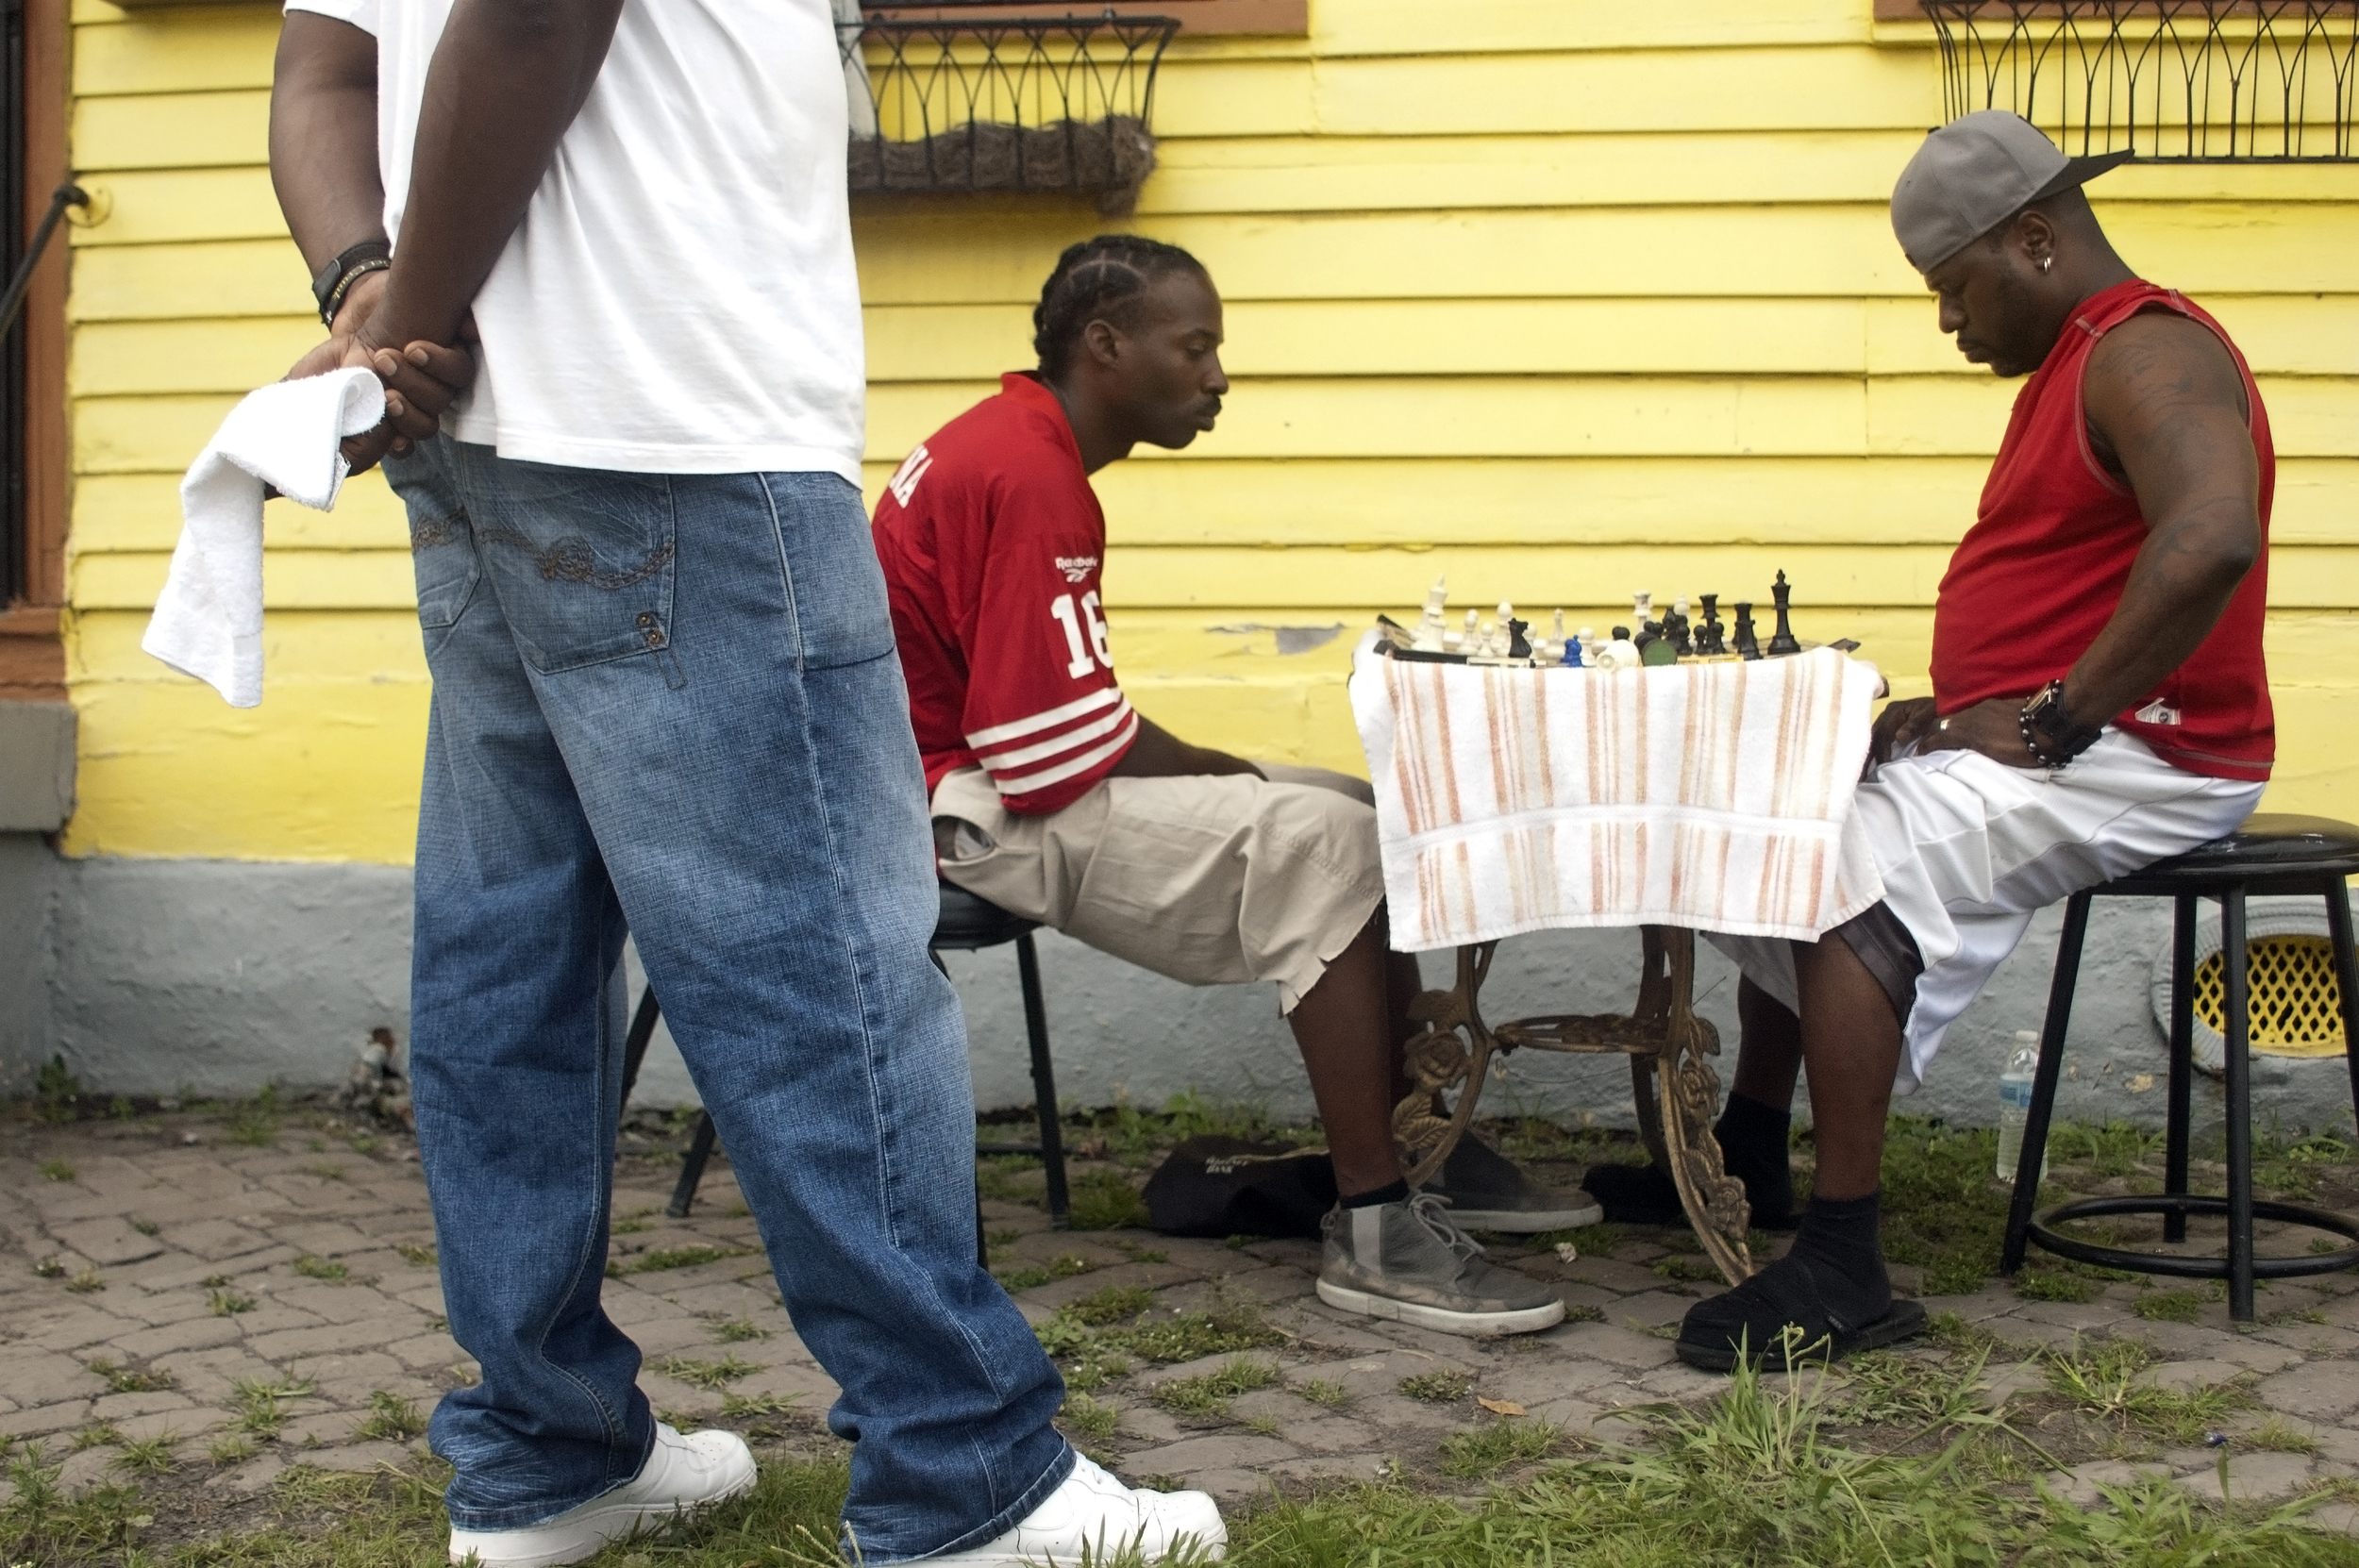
679,297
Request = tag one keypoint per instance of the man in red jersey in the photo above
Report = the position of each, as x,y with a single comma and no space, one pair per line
1055,799
2100,700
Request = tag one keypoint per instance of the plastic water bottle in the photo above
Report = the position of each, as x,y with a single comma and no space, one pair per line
2015,1101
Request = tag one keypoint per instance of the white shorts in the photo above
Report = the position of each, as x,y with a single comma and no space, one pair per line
1966,848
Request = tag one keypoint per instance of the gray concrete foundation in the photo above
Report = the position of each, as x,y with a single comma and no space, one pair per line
161,976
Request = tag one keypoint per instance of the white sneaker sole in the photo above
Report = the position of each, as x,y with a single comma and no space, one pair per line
584,1536
1473,1326
1527,1222
1189,1547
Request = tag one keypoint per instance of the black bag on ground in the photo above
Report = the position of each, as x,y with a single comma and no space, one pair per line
1235,1187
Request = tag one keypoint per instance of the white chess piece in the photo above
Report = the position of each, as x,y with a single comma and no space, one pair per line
1556,628
1433,630
1588,638
1483,640
1642,608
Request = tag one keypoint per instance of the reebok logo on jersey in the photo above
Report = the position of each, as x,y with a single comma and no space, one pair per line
904,481
1074,567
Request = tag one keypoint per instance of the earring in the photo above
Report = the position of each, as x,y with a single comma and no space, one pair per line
2045,261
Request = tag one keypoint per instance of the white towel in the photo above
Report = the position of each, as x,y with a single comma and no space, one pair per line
208,618
1706,796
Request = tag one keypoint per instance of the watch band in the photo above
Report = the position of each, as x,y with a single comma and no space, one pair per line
336,279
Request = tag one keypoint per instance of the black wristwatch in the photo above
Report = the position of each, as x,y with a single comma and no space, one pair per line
336,279
2048,730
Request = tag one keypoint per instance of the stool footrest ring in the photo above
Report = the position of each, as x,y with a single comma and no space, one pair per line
2042,1233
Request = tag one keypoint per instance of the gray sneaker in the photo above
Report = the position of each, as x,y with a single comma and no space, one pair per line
1407,1263
1486,1191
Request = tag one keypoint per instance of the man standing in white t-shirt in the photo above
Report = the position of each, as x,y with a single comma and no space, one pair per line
666,701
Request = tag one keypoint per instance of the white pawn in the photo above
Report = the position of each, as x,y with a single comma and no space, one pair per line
1588,637
1483,640
1460,642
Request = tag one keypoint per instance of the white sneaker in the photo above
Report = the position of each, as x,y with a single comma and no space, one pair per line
683,1474
1093,1518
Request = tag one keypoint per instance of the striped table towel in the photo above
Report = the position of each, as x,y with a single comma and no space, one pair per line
1705,795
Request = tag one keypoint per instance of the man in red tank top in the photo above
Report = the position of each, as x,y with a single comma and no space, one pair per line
2099,699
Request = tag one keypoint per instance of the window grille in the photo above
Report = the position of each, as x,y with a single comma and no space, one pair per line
2178,81
1056,104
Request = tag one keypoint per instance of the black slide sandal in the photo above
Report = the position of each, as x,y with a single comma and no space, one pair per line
1781,1328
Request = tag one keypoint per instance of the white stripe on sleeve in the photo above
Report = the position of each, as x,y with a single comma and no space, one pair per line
1045,719
1063,771
1002,762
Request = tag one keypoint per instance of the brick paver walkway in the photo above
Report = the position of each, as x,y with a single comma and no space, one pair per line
156,1273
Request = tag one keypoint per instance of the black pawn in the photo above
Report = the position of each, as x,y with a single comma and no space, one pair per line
1781,641
1708,641
1747,645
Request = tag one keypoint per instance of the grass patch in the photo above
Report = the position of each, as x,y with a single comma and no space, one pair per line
124,1379
86,1283
263,1407
1495,1445
1068,1267
1319,1391
49,1268
146,1227
2102,1381
2037,1284
2168,1306
321,1268
1580,1312
708,1374
1090,1356
1105,1200
656,1260
57,1169
2290,1170
1090,1418
1442,1386
390,1419
1001,1177
739,1330
1681,1267
254,1121
1589,1241
234,1449
228,1304
148,1457
1942,1210
1114,1303
1210,1393
97,1435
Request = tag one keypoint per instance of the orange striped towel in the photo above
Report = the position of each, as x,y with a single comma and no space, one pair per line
1705,796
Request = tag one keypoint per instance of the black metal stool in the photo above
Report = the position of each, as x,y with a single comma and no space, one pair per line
966,924
2268,855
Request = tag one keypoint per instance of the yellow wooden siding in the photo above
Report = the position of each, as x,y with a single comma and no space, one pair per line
1563,300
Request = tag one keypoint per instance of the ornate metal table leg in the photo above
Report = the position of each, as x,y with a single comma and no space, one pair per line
1437,1060
1690,1092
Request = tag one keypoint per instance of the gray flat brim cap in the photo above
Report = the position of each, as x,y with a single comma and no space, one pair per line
1973,175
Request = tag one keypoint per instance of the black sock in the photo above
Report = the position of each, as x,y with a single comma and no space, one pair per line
1839,1239
1752,1139
1392,1191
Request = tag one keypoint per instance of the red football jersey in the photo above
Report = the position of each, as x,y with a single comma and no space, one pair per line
992,541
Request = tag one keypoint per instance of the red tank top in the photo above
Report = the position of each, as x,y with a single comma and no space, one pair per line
2042,570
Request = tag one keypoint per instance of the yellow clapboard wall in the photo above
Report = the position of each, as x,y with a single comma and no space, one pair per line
1565,300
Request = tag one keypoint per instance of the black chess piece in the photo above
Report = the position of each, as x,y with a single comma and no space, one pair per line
1747,645
1621,634
1708,638
1517,646
1675,632
1781,641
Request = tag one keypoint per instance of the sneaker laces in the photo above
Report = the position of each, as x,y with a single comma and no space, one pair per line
1432,1210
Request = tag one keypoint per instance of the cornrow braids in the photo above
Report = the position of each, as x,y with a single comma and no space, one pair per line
1100,279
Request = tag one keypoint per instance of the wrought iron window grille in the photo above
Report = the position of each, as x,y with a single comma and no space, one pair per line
2174,81
1000,104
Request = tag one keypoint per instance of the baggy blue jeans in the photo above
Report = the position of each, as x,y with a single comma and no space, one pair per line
670,705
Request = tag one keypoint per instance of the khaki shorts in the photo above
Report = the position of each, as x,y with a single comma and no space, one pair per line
1209,879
